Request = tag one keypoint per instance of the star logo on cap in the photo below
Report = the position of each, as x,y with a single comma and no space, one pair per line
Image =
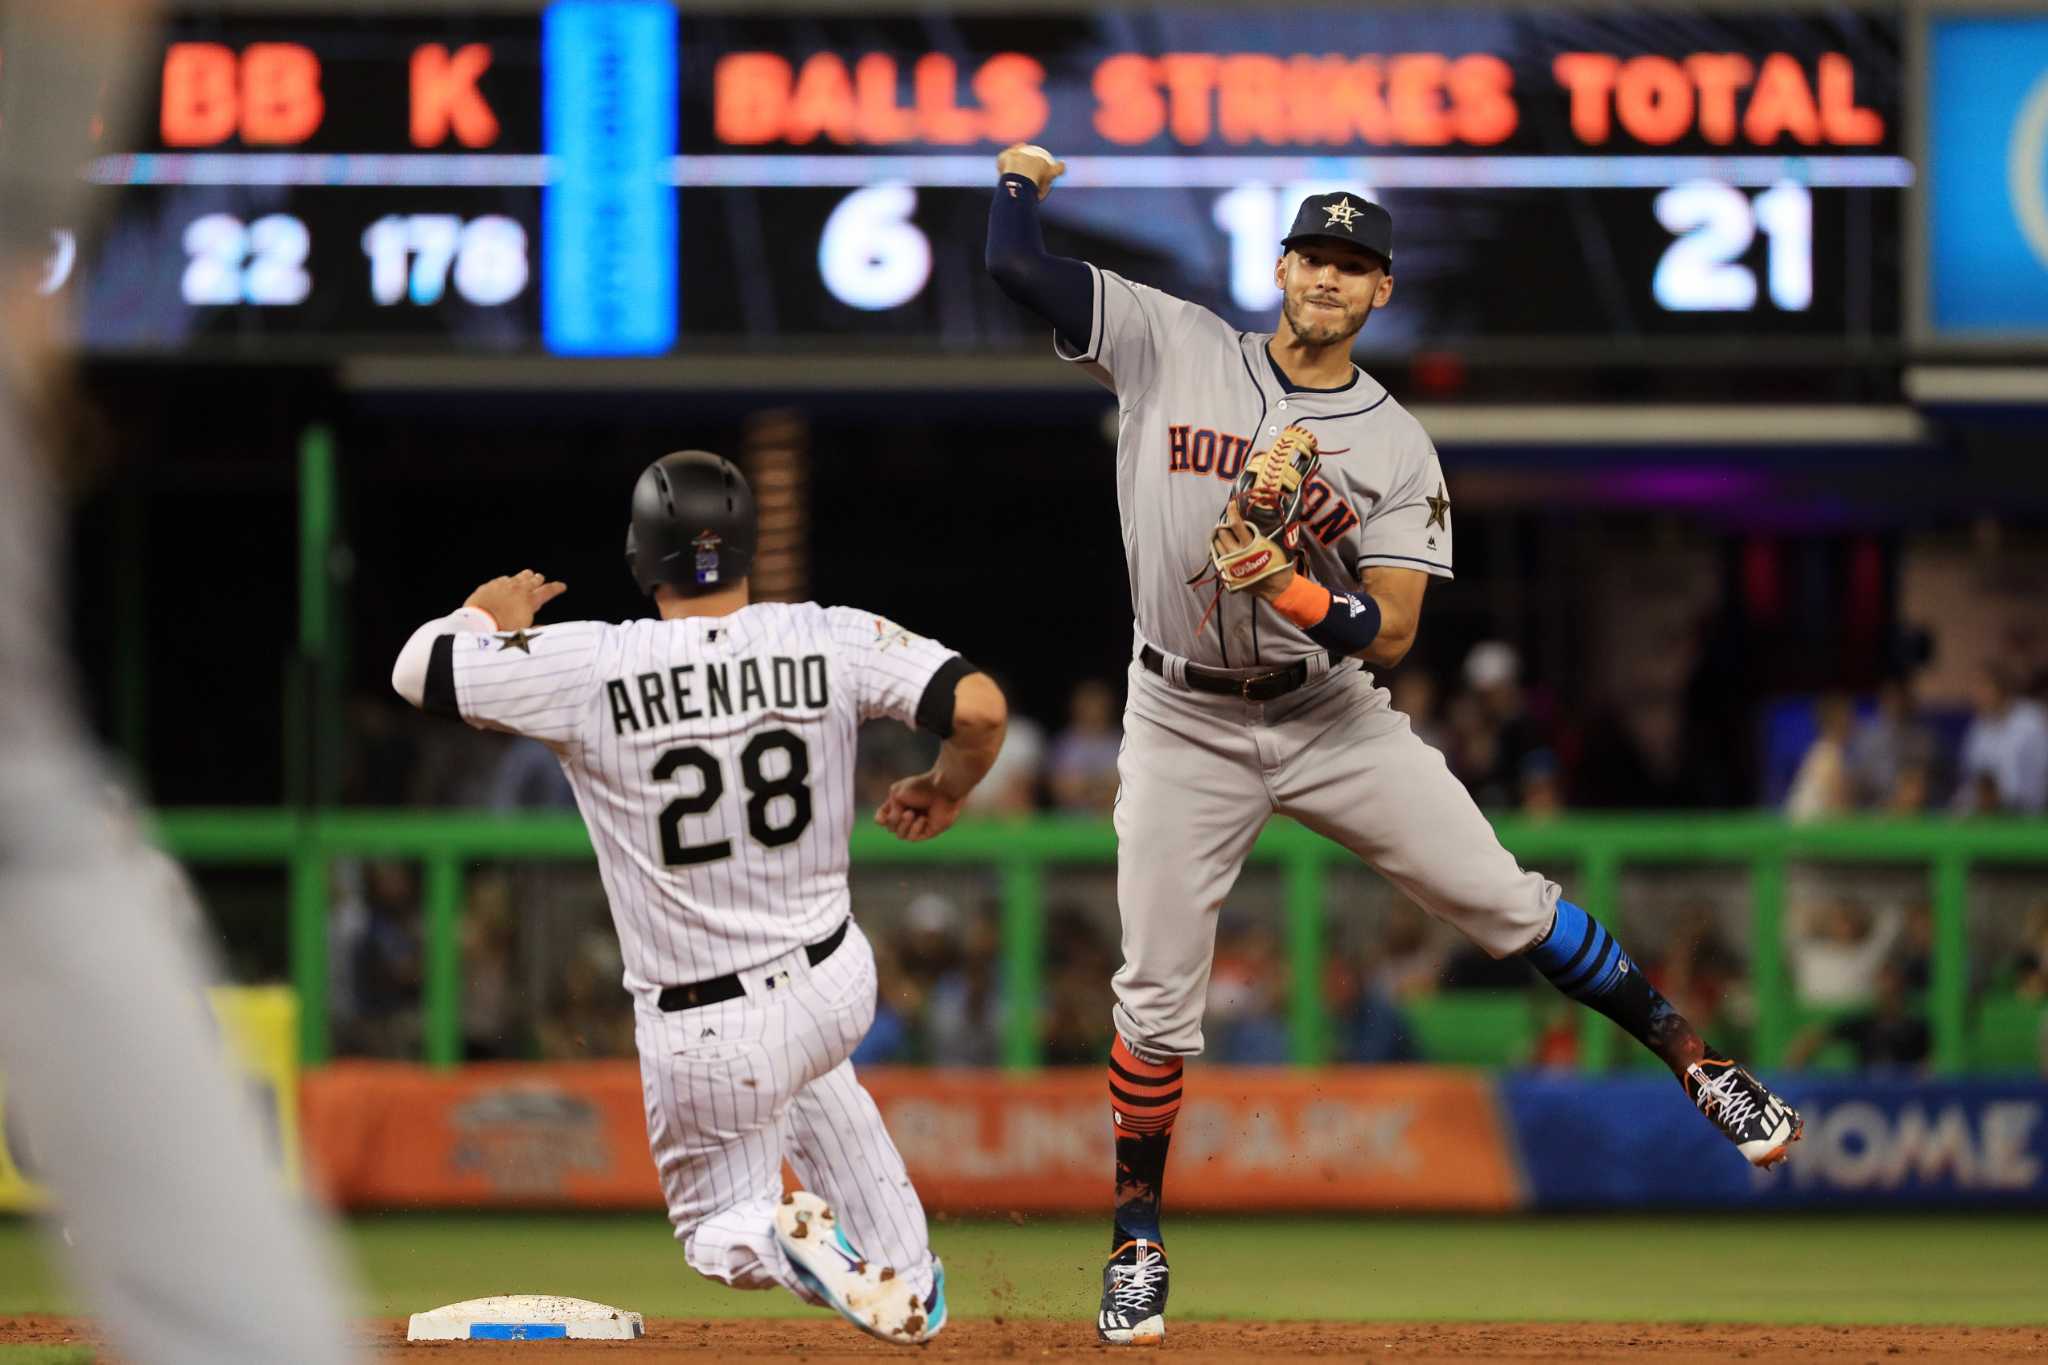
1438,506
1341,214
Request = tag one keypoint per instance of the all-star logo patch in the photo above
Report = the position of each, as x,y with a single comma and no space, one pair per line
1439,509
706,544
888,634
521,640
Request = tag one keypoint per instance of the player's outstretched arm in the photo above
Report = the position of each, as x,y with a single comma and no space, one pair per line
507,603
926,805
1057,288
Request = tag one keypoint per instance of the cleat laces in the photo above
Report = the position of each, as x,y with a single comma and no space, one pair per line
1131,1285
1725,1100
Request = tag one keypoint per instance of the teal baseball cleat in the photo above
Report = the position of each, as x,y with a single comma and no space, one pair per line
870,1297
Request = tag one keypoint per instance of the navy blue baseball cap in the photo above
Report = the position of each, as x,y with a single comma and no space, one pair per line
1343,217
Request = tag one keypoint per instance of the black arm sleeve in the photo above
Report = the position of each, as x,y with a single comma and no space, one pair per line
935,707
1057,288
438,697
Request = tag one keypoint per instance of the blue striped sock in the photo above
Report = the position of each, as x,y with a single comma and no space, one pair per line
1579,956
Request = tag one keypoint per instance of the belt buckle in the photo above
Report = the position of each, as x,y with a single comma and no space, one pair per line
1244,687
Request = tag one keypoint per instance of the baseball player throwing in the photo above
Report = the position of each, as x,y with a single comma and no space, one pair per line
1282,515
711,752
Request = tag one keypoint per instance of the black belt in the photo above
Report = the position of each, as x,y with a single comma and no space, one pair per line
719,988
1258,687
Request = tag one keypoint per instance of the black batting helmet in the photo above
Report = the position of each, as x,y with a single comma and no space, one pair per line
692,526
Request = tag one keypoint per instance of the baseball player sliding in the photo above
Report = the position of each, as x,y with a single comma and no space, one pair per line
711,751
1282,515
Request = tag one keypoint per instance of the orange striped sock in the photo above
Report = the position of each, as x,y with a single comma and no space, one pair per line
1144,1097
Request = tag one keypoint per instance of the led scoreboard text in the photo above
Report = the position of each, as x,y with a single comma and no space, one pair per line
599,179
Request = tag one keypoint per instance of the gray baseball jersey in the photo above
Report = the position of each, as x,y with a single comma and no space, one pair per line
1200,774
1195,397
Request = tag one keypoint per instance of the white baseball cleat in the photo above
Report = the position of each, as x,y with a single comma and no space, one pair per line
870,1297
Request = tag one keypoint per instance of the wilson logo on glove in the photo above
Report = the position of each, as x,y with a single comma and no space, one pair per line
1249,565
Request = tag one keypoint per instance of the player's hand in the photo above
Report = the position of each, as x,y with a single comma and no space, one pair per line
1029,159
1234,534
514,601
917,810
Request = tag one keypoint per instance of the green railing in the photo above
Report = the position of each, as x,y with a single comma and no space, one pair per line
1587,853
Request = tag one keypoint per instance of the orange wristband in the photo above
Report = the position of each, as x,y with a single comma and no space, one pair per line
1303,602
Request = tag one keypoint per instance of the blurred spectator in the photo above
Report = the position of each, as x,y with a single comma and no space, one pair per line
1915,954
885,751
1494,730
1698,971
1559,1030
1913,792
1246,1018
1889,1036
1077,991
1837,950
1413,693
963,1019
489,1022
2005,751
593,1018
1082,770
1405,964
1891,755
1635,756
898,998
378,919
2032,979
381,753
527,777
1011,787
1821,787
1542,785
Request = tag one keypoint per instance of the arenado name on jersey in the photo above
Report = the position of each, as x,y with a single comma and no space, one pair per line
706,691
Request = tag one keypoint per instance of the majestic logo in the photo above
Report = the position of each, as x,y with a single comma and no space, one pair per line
707,543
1342,214
521,640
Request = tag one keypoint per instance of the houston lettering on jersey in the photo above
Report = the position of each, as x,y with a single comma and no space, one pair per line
706,691
1203,450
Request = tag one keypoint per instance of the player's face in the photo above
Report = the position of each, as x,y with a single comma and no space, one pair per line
1328,289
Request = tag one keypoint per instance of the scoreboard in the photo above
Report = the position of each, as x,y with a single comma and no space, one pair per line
612,177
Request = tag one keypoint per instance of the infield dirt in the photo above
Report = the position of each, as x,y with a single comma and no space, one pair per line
1191,1342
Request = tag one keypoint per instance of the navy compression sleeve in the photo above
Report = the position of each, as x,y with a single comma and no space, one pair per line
1057,288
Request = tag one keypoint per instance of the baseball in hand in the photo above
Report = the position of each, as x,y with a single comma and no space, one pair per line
1030,159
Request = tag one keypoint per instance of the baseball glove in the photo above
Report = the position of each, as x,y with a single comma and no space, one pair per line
1267,496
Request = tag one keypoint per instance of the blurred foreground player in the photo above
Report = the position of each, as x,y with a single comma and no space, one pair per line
711,751
182,1236
1282,516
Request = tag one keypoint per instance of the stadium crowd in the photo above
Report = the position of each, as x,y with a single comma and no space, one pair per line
541,964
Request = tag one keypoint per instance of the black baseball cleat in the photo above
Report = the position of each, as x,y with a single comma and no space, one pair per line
1762,1126
1134,1295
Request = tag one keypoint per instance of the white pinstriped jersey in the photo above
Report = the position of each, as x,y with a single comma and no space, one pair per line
1195,397
712,759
